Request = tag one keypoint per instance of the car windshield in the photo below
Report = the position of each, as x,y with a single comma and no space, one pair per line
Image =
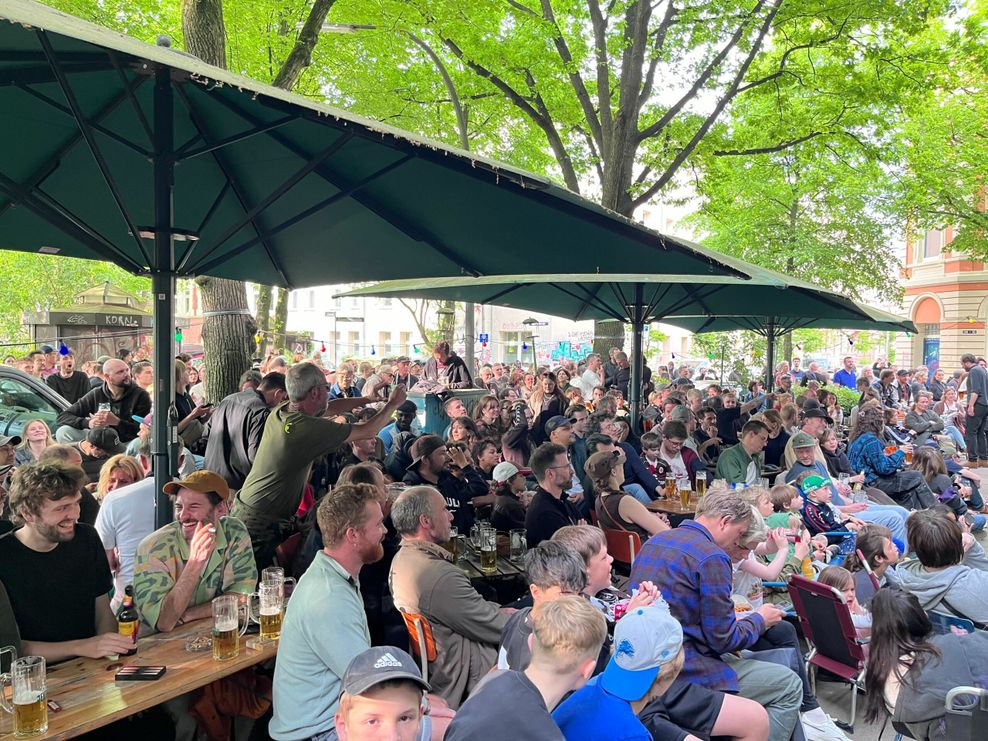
20,403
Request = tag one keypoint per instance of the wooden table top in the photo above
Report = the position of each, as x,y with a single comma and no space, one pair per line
90,697
469,561
672,506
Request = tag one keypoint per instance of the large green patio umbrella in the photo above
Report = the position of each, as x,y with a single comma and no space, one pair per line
768,302
144,156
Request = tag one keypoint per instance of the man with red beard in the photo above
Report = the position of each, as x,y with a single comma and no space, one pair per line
181,567
55,568
325,624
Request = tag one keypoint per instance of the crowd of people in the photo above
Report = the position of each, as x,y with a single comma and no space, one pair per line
335,462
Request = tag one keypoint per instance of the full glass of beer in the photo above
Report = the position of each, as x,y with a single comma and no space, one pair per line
452,542
227,614
488,550
701,483
270,610
29,696
684,493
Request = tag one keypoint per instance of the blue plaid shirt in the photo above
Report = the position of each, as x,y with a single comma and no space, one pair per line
694,575
867,453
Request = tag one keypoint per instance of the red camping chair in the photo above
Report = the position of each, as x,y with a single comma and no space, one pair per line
826,622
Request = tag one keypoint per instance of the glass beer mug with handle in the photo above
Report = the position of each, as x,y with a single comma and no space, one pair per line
227,615
29,696
270,609
277,574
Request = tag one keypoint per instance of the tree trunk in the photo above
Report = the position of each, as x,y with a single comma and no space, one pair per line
280,322
263,315
447,320
300,56
227,337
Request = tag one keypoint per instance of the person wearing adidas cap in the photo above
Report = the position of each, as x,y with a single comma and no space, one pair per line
182,566
384,698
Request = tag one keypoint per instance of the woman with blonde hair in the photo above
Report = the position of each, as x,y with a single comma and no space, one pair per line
36,437
119,470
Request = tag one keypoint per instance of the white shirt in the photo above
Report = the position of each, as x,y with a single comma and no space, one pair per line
125,518
676,463
589,381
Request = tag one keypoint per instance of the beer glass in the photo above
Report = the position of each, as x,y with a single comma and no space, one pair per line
684,493
488,550
909,455
701,483
276,574
227,613
29,696
519,543
271,598
670,486
452,542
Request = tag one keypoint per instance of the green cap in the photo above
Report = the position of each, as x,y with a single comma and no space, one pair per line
803,440
814,482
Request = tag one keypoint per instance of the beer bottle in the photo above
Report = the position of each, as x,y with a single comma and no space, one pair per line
128,621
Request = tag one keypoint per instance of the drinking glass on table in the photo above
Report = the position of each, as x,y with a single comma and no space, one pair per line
488,550
270,609
227,615
683,485
701,483
519,543
29,695
276,575
452,542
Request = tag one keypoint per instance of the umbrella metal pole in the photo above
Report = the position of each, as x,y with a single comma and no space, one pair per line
637,359
770,355
163,288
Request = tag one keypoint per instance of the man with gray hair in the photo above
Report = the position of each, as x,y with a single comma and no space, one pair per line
691,569
425,580
592,377
296,433
114,403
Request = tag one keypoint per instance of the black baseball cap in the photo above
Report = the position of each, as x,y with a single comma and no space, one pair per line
380,664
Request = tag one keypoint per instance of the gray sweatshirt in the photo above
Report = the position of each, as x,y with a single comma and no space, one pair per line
958,590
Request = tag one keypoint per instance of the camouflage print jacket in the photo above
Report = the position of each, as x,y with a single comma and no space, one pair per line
162,555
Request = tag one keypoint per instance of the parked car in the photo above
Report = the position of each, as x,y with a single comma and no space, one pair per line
23,398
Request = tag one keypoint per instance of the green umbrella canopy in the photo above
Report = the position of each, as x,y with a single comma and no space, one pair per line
697,303
268,186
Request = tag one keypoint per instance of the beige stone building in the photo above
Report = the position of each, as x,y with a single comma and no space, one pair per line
946,296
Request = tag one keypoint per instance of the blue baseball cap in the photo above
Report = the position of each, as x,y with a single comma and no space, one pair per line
645,640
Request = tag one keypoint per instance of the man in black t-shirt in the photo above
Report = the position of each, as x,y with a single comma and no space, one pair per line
550,509
566,638
55,569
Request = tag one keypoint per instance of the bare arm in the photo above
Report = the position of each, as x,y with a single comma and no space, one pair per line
106,642
176,604
341,406
634,511
370,428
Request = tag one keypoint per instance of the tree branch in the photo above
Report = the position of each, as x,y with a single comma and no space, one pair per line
766,150
729,95
599,25
300,56
660,39
572,72
523,8
543,121
707,73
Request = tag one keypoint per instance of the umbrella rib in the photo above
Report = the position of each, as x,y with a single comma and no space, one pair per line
66,222
43,74
277,193
200,267
87,135
364,200
138,111
499,294
662,288
182,155
98,127
47,168
589,300
241,198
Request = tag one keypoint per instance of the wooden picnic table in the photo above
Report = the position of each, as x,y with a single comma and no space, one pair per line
672,507
90,698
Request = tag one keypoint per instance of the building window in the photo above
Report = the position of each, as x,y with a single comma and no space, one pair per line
384,343
933,243
384,303
312,299
405,342
293,300
510,346
352,343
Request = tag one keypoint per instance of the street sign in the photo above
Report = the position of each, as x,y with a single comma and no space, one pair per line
484,337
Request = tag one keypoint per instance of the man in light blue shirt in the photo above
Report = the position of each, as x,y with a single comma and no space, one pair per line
325,623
